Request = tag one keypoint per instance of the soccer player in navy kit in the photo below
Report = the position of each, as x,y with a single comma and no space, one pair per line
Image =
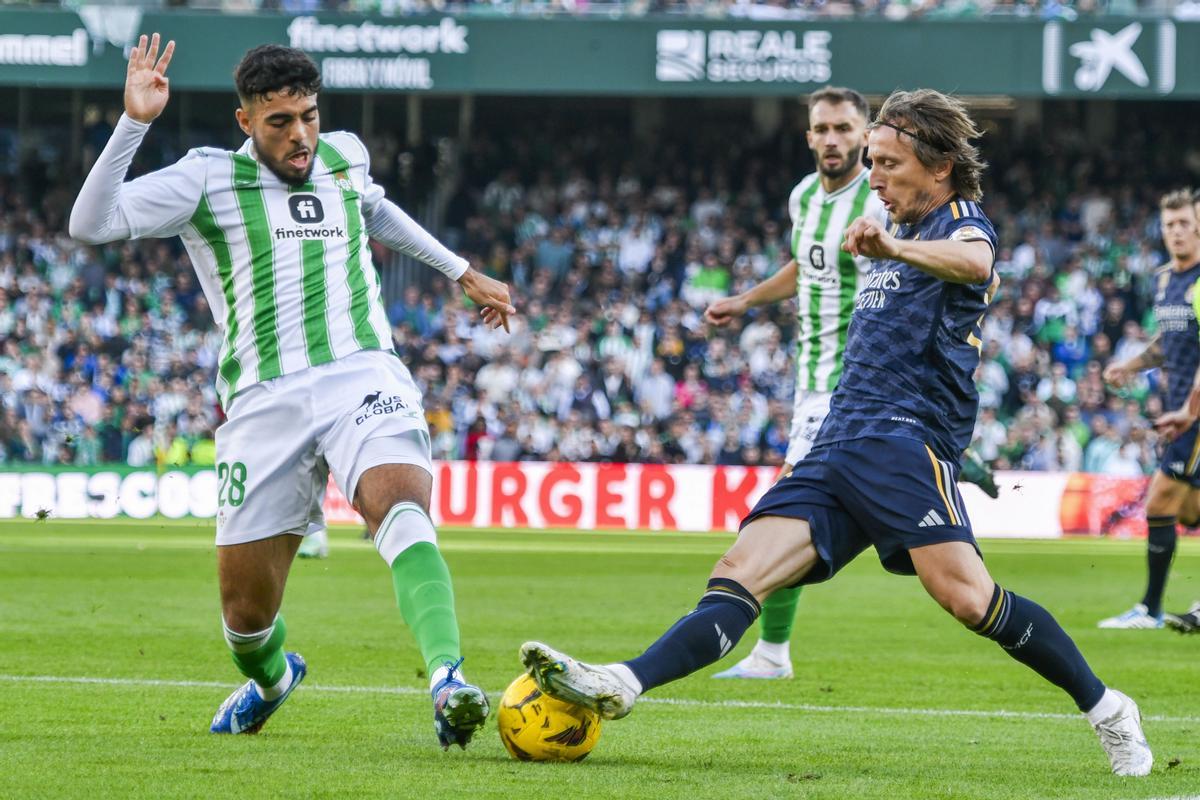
882,471
1175,488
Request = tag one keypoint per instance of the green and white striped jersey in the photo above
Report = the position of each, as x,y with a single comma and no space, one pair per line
287,270
827,278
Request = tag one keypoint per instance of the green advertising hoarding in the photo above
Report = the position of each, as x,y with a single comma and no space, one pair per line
1108,57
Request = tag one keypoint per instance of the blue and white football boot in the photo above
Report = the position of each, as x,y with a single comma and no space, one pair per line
459,708
245,711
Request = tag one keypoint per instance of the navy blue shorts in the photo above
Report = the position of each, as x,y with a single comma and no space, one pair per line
1181,458
886,491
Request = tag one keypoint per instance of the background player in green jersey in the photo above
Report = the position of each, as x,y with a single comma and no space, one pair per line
824,279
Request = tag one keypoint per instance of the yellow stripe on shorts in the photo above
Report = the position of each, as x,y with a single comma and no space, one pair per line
937,477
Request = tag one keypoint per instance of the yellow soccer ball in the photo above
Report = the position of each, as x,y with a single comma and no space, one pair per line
535,727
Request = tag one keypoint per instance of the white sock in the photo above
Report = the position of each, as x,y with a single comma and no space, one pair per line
441,672
1107,706
626,676
778,654
274,692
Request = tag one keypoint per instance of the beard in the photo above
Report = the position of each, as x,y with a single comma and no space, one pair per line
291,178
852,160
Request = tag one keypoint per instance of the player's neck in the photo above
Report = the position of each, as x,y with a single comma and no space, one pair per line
830,185
934,202
1183,264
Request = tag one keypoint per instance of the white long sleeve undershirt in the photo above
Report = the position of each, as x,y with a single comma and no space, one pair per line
97,215
160,204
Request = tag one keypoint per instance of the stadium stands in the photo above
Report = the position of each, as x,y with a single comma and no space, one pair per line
711,9
107,353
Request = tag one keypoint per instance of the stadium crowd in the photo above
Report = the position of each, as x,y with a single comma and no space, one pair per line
713,9
107,353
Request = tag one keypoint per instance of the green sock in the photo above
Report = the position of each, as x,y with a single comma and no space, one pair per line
426,600
778,615
259,656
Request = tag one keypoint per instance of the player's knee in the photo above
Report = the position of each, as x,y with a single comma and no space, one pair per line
382,488
732,567
1158,506
964,602
376,514
405,524
246,617
728,566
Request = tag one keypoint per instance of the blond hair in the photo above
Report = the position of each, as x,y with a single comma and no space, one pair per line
1179,198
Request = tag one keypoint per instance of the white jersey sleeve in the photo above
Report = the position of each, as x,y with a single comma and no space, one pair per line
387,222
158,204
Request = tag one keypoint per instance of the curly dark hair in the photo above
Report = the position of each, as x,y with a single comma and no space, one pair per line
271,68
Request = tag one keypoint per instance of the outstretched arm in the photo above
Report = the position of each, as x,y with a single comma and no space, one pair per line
156,204
968,261
388,223
1150,357
1173,424
779,286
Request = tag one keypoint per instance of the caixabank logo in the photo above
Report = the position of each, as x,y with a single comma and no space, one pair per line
743,56
1114,59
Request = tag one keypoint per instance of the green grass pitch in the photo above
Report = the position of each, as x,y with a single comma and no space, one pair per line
112,664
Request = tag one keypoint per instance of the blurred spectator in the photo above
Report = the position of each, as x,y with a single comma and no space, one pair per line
107,354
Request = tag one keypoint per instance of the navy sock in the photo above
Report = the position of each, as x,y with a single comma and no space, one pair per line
1029,634
702,637
1160,549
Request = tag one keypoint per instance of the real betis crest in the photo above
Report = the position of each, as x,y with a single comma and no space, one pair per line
342,181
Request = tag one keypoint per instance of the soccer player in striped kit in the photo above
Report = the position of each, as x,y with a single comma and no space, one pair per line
278,233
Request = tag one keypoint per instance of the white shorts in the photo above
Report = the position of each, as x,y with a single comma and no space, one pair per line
283,438
808,415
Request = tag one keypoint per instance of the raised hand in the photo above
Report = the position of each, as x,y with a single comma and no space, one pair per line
146,84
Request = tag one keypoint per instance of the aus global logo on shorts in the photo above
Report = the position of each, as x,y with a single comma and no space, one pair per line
375,405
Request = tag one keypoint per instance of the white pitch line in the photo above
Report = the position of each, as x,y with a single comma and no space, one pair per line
665,701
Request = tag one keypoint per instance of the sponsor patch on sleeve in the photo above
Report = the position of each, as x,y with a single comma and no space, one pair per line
969,233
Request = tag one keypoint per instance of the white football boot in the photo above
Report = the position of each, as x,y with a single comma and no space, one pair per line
757,666
315,545
1138,617
1123,740
593,686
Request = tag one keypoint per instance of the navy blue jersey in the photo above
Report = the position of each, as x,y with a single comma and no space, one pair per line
913,346
1178,332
